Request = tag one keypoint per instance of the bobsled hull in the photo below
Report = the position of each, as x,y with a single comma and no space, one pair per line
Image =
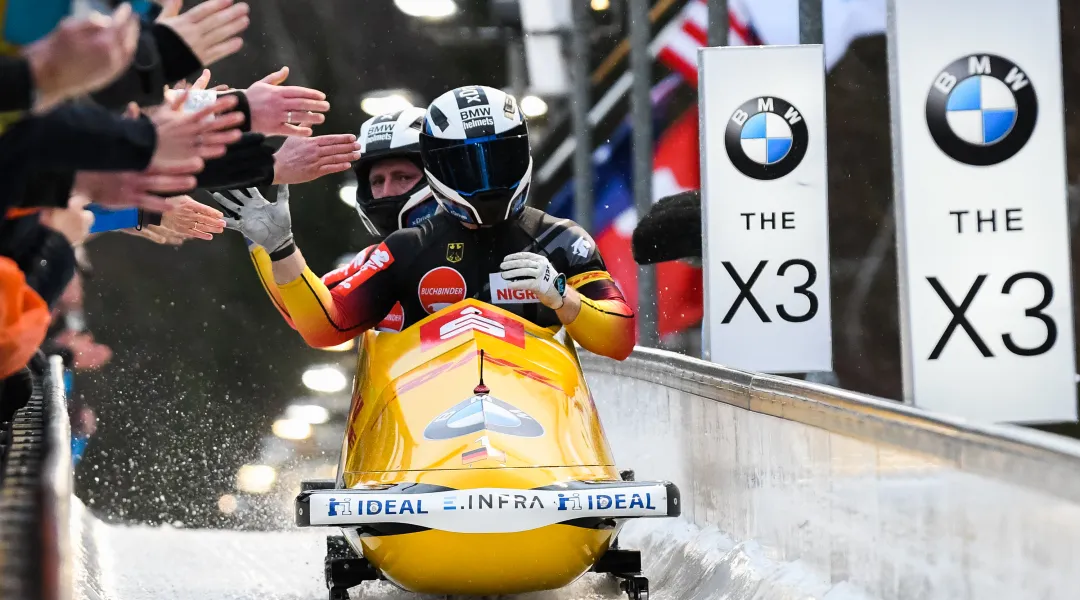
450,486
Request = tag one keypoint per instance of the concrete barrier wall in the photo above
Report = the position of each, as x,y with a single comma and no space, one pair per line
866,493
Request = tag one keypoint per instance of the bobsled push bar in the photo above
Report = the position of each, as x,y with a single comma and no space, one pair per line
409,507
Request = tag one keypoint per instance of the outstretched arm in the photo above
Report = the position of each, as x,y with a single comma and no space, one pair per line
326,317
265,271
323,317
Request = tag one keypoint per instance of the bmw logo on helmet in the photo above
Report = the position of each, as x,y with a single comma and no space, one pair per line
766,138
476,154
981,109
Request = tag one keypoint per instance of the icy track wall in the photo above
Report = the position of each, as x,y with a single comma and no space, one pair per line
809,491
789,489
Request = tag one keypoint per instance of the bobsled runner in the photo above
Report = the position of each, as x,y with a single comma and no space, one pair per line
474,463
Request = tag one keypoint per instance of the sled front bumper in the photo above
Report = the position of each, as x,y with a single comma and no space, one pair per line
418,507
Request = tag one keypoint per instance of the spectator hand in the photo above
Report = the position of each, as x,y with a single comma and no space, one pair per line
173,93
188,219
284,110
130,188
265,223
73,222
82,55
184,140
157,234
211,29
300,160
89,355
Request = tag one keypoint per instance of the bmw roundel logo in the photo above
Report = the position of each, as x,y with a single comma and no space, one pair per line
981,109
766,138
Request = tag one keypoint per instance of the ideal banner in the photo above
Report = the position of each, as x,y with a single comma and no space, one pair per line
489,510
765,208
981,205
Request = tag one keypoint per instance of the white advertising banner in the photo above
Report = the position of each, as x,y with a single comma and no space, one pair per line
983,238
765,208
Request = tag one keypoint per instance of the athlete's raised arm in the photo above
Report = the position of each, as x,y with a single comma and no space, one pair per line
265,270
323,317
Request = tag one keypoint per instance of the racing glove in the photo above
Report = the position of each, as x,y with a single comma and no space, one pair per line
534,273
265,223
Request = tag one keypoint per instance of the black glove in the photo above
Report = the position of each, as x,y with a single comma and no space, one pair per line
671,230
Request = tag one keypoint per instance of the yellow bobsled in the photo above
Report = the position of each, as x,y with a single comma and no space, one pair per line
474,463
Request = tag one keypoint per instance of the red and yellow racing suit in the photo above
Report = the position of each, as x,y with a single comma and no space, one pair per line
423,269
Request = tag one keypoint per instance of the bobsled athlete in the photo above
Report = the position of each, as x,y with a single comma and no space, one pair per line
485,244
391,193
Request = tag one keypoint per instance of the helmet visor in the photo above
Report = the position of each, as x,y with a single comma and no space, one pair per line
477,165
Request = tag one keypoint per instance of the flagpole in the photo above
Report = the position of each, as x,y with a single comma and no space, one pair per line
810,31
641,117
718,23
579,109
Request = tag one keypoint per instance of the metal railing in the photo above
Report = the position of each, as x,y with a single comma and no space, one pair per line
35,493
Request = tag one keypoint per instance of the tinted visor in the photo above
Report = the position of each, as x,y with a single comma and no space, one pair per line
477,165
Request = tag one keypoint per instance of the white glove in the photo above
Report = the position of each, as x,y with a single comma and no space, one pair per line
538,277
265,223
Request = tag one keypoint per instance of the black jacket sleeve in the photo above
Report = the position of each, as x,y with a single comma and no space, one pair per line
144,81
161,58
242,105
177,59
247,163
16,84
46,188
671,230
78,137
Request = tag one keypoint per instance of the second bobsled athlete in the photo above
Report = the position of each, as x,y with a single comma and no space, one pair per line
486,244
391,193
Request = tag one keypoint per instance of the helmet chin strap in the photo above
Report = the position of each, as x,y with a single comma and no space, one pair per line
417,195
400,204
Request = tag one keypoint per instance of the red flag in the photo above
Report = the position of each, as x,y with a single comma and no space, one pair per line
676,169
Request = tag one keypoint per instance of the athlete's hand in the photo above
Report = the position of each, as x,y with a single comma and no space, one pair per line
266,223
533,273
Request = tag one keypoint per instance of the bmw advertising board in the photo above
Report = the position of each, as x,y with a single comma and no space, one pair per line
982,237
765,208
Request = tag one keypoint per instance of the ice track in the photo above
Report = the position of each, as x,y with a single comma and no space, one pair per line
144,563
682,561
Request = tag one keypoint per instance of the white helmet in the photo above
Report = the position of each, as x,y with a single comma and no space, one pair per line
475,148
392,135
